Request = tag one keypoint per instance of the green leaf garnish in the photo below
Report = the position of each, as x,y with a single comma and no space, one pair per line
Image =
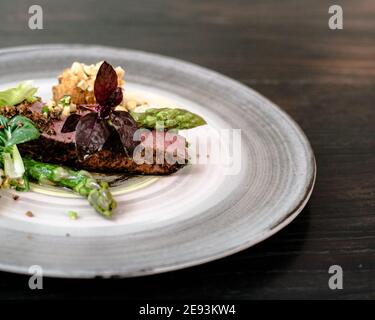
22,130
73,215
17,130
13,96
65,101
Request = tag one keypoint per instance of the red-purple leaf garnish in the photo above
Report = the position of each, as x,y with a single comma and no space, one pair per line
103,112
115,98
126,127
90,107
93,131
105,83
91,135
114,143
107,94
70,123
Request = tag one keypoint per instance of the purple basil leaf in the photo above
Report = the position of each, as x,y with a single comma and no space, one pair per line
91,135
70,123
114,143
126,127
103,111
91,106
114,100
105,83
116,97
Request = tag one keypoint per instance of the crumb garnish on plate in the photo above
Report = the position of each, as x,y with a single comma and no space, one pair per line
29,214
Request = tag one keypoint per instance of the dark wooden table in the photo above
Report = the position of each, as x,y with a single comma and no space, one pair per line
325,79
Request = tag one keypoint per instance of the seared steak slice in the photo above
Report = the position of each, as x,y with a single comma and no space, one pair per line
49,150
56,147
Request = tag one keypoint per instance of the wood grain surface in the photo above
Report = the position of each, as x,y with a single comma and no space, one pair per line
325,79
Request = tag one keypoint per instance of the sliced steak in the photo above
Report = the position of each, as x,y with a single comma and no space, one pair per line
56,147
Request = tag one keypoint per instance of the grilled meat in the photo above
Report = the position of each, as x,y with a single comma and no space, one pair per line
56,147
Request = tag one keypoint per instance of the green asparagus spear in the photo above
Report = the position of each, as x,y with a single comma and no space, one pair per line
167,117
81,182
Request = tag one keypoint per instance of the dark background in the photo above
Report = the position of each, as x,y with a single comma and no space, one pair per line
324,79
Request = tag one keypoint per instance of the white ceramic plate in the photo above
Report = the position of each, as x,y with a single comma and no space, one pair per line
203,212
